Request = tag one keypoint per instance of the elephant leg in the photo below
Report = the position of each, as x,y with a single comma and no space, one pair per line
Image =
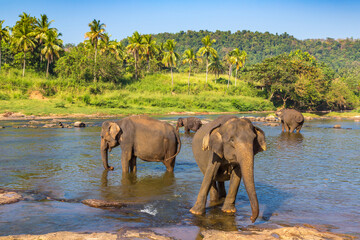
132,164
287,129
214,193
170,164
282,126
126,157
211,170
222,191
292,128
229,204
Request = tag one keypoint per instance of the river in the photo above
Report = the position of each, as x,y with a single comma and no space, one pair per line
312,178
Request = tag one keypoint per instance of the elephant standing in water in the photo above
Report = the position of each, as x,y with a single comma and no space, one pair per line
290,119
224,150
190,123
143,137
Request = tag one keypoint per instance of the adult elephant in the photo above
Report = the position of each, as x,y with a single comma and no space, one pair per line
190,123
290,119
143,137
224,150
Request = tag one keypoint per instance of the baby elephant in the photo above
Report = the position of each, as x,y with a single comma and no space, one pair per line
190,123
290,119
143,137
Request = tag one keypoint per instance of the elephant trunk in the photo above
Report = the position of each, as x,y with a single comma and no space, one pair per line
247,172
104,154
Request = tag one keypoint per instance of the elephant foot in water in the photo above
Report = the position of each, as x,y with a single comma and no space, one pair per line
228,208
197,210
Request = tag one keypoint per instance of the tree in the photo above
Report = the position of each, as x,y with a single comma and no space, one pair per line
24,36
190,58
4,35
170,57
230,59
150,48
239,59
216,66
135,47
97,31
207,50
52,47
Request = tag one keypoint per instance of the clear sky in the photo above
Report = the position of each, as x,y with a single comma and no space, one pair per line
302,19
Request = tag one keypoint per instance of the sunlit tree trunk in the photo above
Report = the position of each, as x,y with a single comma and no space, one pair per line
95,63
229,76
47,68
172,79
189,79
236,76
207,68
24,65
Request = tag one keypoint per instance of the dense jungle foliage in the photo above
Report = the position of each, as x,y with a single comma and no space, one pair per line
245,66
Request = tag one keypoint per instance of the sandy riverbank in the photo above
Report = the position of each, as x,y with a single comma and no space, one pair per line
285,233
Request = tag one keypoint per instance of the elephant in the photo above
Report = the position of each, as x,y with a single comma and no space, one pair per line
140,136
224,150
190,123
291,119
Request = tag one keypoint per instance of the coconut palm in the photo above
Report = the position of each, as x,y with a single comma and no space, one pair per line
239,58
97,31
230,60
216,66
190,58
150,48
52,47
170,57
4,35
135,47
207,50
42,25
24,37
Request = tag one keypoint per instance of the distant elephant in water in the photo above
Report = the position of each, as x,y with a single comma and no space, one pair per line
290,119
190,123
224,149
143,137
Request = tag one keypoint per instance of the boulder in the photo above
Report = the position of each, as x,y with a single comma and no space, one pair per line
79,124
103,204
9,197
337,126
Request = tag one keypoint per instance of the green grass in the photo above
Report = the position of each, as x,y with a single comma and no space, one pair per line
152,94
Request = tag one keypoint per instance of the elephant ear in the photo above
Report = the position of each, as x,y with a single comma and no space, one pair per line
259,142
114,130
213,141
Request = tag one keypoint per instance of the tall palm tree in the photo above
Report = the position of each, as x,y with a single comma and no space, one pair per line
216,66
190,58
52,47
170,57
135,47
150,48
24,37
230,61
239,58
97,31
4,35
207,50
42,26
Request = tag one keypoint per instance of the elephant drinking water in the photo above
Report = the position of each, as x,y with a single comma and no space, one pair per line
143,137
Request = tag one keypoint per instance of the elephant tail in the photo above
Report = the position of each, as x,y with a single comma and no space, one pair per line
179,147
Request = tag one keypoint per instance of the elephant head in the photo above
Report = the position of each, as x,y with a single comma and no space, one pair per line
180,123
110,138
237,141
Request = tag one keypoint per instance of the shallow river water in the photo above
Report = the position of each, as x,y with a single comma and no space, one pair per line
312,177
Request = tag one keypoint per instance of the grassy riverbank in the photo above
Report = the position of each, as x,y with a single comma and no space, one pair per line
36,95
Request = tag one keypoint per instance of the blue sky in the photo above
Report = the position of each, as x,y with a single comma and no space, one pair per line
302,19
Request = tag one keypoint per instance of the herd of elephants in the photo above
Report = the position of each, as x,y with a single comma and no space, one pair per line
224,150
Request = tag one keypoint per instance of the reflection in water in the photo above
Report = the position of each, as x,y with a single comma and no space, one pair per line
310,177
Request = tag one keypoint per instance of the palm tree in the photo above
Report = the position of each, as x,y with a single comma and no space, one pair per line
4,35
42,26
150,48
52,47
170,57
97,31
216,66
239,58
24,37
135,47
207,50
190,58
230,60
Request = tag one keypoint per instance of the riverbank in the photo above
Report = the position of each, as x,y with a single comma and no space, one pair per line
285,233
